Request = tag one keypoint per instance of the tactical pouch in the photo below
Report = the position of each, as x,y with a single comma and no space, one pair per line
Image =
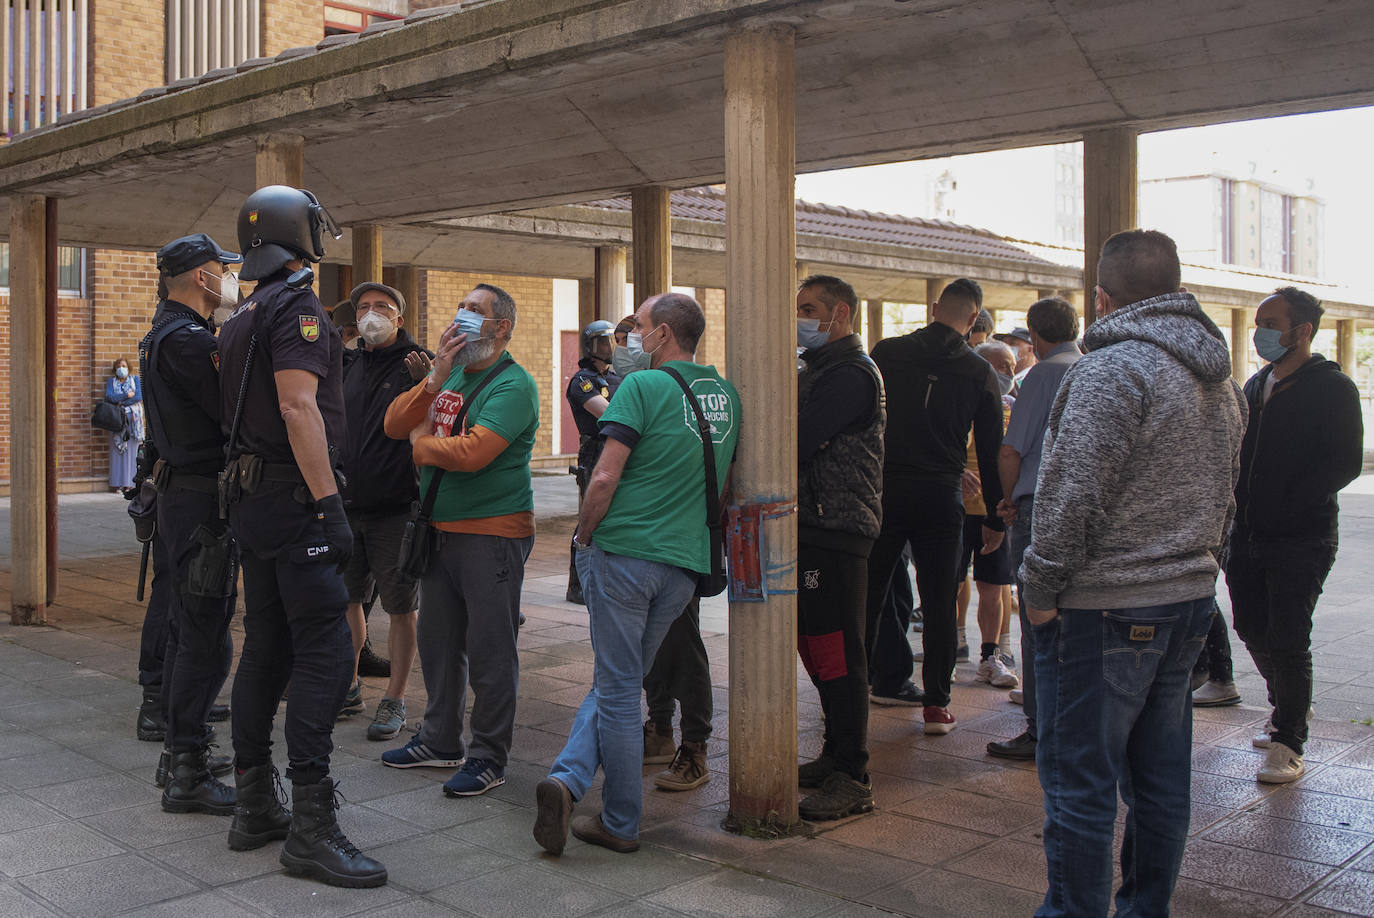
143,511
250,472
162,474
229,491
214,564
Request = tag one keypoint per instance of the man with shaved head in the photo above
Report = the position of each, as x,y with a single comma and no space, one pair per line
937,389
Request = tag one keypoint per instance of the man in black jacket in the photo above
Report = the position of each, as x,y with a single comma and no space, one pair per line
937,389
381,486
839,504
1303,443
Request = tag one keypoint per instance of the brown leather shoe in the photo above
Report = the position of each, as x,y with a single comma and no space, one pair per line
593,831
555,806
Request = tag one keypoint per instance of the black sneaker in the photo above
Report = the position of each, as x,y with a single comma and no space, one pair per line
814,773
906,696
1021,747
839,796
371,665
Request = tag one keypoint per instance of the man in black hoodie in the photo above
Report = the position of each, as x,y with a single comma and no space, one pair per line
381,486
1303,443
937,388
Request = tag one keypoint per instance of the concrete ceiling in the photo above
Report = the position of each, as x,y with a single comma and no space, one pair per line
529,103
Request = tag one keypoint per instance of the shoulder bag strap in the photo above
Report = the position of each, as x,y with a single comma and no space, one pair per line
709,460
432,492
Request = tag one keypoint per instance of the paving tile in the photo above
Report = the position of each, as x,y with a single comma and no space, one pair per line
146,826
1297,803
978,812
637,910
734,895
1313,911
209,860
1322,844
17,744
426,863
99,794
299,897
1012,863
1351,892
651,869
48,847
203,903
1342,780
526,890
47,712
1361,756
906,838
19,812
1020,784
941,894
363,781
16,903
52,767
415,908
107,886
1235,793
848,871
1251,871
369,828
700,834
1192,899
428,808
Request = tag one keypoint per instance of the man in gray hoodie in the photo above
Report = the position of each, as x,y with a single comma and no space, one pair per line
1134,500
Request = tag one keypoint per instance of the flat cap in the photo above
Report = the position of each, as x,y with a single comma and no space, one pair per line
392,292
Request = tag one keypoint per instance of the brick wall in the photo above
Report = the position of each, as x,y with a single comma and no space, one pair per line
128,46
532,343
711,349
290,24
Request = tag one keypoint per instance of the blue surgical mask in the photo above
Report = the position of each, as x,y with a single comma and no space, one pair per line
122,372
631,357
1267,344
809,333
1005,382
470,323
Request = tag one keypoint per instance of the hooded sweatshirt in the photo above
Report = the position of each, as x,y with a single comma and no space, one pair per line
1141,458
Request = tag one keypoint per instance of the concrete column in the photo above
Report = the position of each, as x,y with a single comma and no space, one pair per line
653,244
1045,293
586,302
1109,199
281,160
610,283
761,342
875,321
28,411
857,319
1240,345
50,333
367,254
1345,345
408,282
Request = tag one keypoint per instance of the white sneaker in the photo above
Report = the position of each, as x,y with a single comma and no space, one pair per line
1263,740
1281,765
994,671
1015,696
1215,694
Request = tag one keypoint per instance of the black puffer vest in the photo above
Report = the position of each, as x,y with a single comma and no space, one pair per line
840,488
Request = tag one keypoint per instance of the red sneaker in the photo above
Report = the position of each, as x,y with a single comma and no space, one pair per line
938,721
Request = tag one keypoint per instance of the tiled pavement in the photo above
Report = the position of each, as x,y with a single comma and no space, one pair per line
955,833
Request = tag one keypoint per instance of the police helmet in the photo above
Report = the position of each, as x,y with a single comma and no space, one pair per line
278,224
598,329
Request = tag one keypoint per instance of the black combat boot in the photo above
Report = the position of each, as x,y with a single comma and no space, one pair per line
152,725
260,817
372,665
192,789
218,713
317,846
219,765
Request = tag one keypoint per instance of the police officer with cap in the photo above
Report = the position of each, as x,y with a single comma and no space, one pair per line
589,394
281,399
181,392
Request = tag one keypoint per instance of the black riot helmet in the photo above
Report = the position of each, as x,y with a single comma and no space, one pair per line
600,330
278,224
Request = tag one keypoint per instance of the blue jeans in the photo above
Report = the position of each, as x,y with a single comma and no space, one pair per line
631,604
1115,712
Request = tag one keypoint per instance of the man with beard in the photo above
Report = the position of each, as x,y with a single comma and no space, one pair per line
474,421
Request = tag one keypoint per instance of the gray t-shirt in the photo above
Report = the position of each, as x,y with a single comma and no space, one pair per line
1026,428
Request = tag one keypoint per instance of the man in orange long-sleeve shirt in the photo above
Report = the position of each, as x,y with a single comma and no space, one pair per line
484,514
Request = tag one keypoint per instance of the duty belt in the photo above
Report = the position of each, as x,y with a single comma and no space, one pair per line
187,481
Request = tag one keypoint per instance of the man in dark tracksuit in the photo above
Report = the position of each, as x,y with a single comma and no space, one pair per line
1303,443
180,358
839,505
936,389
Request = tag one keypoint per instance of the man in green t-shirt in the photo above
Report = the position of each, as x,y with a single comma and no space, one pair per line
640,541
480,434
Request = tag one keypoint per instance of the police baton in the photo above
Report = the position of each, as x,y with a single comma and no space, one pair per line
143,569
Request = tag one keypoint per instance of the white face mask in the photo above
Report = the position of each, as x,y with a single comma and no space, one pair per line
228,290
376,328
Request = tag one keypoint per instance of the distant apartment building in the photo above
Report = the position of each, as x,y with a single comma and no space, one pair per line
1241,223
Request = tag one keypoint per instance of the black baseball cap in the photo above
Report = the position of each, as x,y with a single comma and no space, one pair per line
181,255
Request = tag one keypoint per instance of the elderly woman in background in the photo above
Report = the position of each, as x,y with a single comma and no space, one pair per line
123,389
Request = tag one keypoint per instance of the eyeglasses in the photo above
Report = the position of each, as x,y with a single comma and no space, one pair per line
378,307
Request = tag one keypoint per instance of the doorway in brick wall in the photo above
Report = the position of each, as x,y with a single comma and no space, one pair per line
570,349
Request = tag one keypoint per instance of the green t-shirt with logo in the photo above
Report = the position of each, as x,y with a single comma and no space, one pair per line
658,512
507,406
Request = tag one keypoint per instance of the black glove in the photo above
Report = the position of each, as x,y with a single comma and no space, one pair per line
337,534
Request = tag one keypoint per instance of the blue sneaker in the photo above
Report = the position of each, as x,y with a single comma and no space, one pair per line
416,754
477,776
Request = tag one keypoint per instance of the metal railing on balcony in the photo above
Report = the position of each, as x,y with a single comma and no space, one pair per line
43,61
204,35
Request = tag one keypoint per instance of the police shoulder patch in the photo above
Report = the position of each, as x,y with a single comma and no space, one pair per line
586,385
310,327
214,358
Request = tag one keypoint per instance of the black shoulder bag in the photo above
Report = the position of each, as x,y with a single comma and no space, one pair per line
417,541
713,583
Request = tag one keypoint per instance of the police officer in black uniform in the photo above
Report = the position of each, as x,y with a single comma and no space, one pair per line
181,392
589,394
281,399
